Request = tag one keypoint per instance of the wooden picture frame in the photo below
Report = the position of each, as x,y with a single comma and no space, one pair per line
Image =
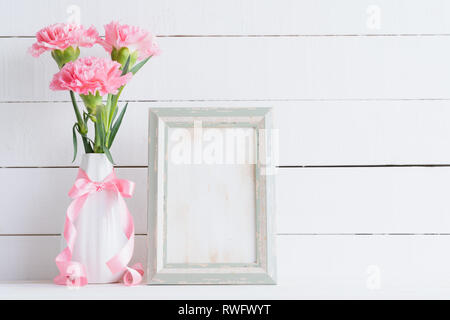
177,252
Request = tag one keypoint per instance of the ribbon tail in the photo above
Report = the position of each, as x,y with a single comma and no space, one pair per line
133,275
74,275
71,273
120,261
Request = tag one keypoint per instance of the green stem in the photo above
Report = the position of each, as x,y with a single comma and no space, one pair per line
77,112
114,102
97,146
83,129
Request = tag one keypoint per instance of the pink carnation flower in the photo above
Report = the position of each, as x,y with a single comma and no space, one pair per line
90,75
134,38
61,36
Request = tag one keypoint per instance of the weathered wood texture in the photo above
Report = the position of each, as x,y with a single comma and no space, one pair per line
236,17
347,89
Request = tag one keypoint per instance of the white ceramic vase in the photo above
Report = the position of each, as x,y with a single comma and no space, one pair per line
99,233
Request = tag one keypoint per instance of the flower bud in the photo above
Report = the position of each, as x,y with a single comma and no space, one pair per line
122,55
91,102
64,56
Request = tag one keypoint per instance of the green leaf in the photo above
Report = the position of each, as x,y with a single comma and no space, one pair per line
137,67
114,115
109,108
126,66
116,125
115,97
88,139
87,146
75,142
108,154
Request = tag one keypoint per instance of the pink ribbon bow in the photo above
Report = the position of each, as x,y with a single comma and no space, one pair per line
73,273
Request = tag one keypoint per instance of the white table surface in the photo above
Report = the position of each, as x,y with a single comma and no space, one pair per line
47,290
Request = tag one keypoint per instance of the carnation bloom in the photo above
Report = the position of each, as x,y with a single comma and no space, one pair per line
61,36
90,75
119,36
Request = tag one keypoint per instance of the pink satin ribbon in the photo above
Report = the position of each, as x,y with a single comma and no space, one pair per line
73,273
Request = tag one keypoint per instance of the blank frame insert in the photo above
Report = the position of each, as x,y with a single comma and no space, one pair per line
211,206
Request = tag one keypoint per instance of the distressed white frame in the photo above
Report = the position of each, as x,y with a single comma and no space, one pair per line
263,271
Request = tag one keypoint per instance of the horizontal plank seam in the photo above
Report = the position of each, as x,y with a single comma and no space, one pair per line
66,167
357,234
363,166
241,100
279,167
44,234
365,234
343,35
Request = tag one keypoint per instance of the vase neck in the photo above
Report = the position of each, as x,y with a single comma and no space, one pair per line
96,165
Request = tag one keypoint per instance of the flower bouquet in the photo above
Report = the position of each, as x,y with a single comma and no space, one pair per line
99,229
94,79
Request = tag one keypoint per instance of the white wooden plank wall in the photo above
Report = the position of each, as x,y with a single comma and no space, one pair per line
363,205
